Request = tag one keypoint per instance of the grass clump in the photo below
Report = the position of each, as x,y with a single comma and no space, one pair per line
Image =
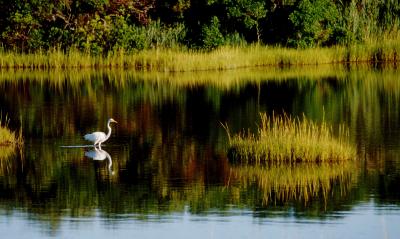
287,139
8,137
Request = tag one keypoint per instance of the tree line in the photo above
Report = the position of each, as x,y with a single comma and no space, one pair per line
101,26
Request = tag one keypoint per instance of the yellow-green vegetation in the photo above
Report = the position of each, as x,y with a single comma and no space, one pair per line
6,151
304,181
9,142
229,79
283,138
8,137
223,58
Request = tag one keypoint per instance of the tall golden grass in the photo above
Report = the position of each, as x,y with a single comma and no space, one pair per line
286,139
228,57
8,137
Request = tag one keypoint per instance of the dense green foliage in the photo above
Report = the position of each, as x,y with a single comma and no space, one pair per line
101,26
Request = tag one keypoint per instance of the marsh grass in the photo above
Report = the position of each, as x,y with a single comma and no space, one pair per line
287,139
9,143
224,58
8,137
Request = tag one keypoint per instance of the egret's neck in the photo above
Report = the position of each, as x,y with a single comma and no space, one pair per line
109,130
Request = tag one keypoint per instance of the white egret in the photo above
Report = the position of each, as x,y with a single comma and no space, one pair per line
99,137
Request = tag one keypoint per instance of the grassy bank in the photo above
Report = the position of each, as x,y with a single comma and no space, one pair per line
282,138
172,60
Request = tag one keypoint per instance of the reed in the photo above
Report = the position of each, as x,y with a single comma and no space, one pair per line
8,137
224,58
9,143
286,139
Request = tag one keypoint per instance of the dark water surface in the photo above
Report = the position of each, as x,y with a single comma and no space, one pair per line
165,173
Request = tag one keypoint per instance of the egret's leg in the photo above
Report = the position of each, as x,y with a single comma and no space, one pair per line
96,142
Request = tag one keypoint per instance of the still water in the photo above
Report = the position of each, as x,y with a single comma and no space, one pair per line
165,173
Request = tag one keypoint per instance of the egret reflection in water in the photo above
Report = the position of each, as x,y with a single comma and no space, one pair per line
100,155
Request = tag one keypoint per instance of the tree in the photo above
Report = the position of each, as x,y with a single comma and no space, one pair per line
211,34
247,13
314,22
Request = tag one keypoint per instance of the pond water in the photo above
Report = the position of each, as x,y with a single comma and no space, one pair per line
164,172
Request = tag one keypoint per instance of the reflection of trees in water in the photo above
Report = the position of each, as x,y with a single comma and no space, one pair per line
366,99
159,173
382,168
172,148
40,97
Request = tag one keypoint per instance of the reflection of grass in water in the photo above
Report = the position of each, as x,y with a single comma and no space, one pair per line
282,138
9,142
7,154
300,182
230,79
158,87
223,79
74,184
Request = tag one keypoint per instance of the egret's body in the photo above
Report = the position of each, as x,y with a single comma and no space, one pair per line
99,137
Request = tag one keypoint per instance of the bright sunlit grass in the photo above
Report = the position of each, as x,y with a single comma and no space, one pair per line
228,57
282,138
8,137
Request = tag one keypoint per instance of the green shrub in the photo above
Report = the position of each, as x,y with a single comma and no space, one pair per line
22,31
211,34
314,22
